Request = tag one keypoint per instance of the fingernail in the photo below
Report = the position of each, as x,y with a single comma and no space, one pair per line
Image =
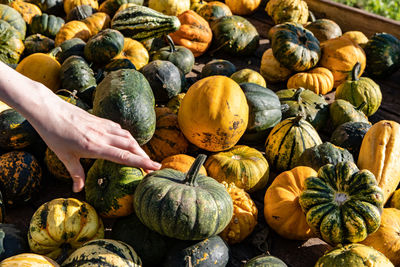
156,165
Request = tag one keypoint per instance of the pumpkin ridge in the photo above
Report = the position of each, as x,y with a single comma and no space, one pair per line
293,148
160,204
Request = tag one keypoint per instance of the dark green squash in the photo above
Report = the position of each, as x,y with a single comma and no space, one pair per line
154,44
80,12
325,153
12,241
111,6
38,43
211,11
45,24
235,35
11,45
119,63
186,206
349,135
265,261
71,47
165,79
383,55
12,16
343,204
264,111
342,111
180,56
125,96
218,67
52,7
212,251
323,29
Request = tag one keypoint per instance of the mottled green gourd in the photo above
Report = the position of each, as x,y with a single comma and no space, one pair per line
11,45
218,67
342,111
119,63
360,90
38,43
80,12
12,16
265,261
71,47
45,24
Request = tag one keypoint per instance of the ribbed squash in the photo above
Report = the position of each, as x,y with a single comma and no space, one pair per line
11,45
175,103
111,6
323,29
135,52
265,260
14,18
341,111
45,24
288,11
357,37
80,12
282,210
180,162
343,204
272,70
60,226
319,80
243,7
70,4
170,7
214,10
248,76
395,200
27,10
72,29
97,22
38,43
28,260
71,47
214,113
288,140
379,153
218,67
12,241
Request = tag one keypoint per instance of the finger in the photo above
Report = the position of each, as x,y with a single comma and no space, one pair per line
126,142
77,173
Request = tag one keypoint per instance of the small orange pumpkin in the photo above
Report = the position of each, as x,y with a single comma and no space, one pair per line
243,7
27,10
135,52
180,162
214,10
97,22
357,36
72,29
70,4
319,80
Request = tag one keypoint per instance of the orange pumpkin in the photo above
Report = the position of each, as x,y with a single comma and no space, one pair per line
135,52
319,80
97,22
243,7
27,10
72,29
180,162
70,4
357,36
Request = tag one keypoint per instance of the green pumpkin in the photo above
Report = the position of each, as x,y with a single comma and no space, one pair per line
114,98
326,153
11,45
383,55
14,18
12,241
165,79
353,255
343,204
80,12
218,67
265,261
71,47
111,6
180,56
212,11
295,47
45,24
323,29
51,7
342,111
360,90
38,43
304,102
349,135
264,111
186,206
212,251
154,44
119,63
235,35
105,45
110,186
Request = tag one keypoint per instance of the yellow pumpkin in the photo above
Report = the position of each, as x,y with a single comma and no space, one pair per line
70,4
287,11
243,7
214,113
170,7
282,209
272,70
28,260
135,52
244,218
357,36
395,200
339,55
43,68
319,80
195,5
97,22
124,6
27,10
248,76
180,162
380,153
72,29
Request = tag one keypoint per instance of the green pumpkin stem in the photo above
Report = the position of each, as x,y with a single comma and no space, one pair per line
172,47
355,72
297,94
55,51
296,121
360,107
311,16
191,175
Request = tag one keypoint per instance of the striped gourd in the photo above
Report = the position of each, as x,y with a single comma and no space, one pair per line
28,260
288,140
142,23
103,252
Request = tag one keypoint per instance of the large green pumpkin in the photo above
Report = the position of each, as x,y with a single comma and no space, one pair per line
38,43
187,206
111,6
235,35
304,102
12,241
110,187
125,96
265,261
218,67
14,18
45,24
80,12
11,45
71,47
342,111
343,204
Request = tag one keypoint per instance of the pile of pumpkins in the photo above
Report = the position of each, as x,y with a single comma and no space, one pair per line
127,62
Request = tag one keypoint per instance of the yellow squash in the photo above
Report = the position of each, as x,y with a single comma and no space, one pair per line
319,80
70,4
97,22
28,260
357,36
135,52
170,7
72,29
243,7
287,11
272,70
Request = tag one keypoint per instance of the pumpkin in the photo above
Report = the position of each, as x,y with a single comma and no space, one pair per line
264,111
175,212
214,113
117,64
339,55
28,260
353,255
20,176
113,6
319,80
304,102
180,162
109,188
62,225
195,33
135,52
325,153
180,56
103,252
11,45
14,18
235,35
43,68
288,11
72,29
265,260
167,140
71,47
360,90
195,5
27,10
52,7
357,37
125,6
341,111
97,22
248,76
244,218
38,43
170,7
70,4
12,241
214,10
175,103
288,140
342,204
244,166
209,252
218,67
80,12
104,46
282,209
271,69
395,200
323,29
243,7
295,47
47,25
379,154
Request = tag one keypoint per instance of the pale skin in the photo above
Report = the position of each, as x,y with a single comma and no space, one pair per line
69,131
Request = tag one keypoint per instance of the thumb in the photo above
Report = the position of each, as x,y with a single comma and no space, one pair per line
77,173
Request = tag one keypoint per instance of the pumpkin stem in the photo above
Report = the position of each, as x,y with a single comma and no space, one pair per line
102,182
355,72
64,253
172,47
191,175
296,121
360,107
297,94
219,47
311,16
54,52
